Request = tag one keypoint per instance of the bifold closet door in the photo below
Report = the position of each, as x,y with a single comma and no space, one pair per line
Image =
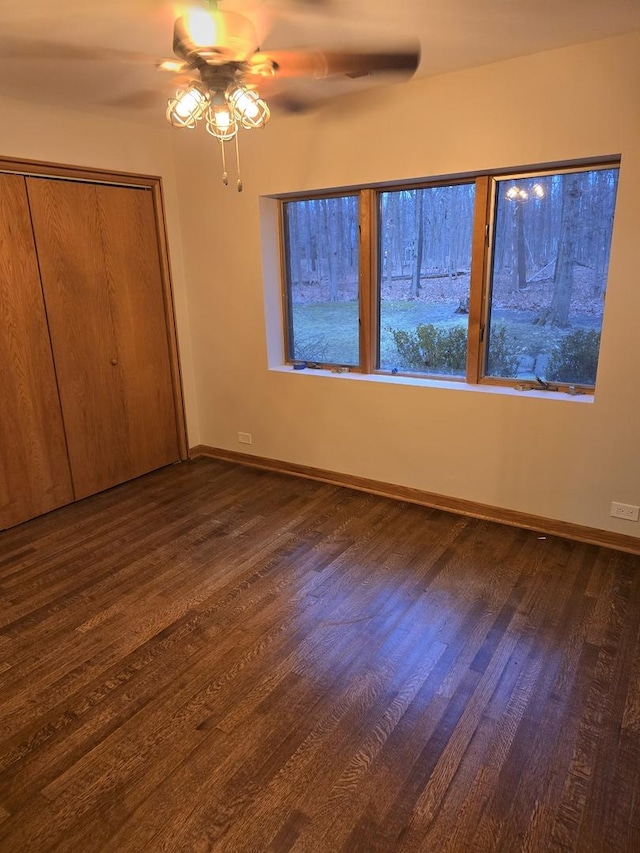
34,469
99,261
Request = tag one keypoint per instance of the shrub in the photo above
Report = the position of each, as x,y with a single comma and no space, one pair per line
433,350
502,358
575,359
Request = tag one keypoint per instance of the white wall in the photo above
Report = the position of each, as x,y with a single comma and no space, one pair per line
70,138
559,458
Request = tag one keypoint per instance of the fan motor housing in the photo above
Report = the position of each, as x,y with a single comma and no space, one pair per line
229,38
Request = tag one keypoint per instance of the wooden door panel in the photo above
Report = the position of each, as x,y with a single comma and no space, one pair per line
132,265
34,468
98,254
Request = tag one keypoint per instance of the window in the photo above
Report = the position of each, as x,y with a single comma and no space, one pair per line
496,279
549,275
322,280
425,278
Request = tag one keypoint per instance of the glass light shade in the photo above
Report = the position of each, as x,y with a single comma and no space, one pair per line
249,109
220,121
187,107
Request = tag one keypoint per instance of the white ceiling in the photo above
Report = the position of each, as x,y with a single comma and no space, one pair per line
48,47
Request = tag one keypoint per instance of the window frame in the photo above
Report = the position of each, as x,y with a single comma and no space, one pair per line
287,318
477,268
495,178
480,288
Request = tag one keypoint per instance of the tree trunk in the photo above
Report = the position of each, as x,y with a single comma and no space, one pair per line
557,314
308,234
419,231
388,245
330,231
522,265
295,249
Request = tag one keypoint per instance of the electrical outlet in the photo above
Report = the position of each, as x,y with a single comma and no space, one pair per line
626,511
244,437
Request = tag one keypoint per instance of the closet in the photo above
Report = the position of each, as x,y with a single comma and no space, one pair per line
88,368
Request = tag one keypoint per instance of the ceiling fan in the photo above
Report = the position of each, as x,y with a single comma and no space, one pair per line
220,67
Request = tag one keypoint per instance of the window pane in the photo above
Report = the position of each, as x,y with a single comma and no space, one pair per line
549,275
322,269
424,278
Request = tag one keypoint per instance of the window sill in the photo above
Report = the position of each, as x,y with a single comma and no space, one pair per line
439,384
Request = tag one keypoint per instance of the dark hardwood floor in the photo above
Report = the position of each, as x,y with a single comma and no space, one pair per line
219,658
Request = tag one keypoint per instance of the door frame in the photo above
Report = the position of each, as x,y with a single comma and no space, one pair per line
87,174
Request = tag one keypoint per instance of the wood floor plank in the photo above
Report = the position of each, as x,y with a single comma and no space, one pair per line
218,658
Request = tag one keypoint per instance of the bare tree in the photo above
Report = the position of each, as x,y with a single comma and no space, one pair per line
418,230
295,257
557,314
330,246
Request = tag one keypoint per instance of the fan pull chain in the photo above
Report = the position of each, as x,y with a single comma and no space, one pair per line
225,176
238,164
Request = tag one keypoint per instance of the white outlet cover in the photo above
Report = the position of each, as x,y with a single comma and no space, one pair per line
628,512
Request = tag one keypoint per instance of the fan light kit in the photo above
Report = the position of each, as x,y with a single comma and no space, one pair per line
215,43
224,112
516,193
218,52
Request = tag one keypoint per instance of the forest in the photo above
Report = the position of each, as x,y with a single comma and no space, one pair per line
546,281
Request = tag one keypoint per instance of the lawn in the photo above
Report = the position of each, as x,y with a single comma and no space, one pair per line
328,332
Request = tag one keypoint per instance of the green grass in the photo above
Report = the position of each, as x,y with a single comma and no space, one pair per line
328,331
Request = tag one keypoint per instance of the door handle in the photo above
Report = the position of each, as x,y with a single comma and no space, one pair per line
114,361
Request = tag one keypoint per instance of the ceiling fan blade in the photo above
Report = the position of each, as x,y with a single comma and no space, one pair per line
141,100
28,49
290,102
319,64
173,66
